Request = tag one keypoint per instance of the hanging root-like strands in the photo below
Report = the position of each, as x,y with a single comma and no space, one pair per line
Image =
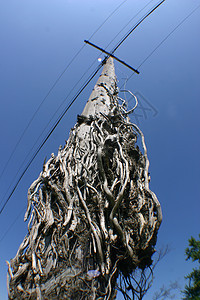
92,214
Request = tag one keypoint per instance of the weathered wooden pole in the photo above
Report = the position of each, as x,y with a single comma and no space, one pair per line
92,214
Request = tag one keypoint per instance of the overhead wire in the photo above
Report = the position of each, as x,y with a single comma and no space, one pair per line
107,19
38,138
134,27
51,131
52,87
129,23
164,39
12,224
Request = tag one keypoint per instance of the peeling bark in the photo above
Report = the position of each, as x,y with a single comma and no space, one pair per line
92,214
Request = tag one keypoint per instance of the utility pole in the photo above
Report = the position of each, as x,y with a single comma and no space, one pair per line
91,213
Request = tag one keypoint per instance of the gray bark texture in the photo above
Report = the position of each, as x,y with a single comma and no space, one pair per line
91,213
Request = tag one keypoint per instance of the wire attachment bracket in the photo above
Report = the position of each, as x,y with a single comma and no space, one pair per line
112,55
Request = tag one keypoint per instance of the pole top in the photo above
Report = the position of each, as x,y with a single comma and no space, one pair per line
100,98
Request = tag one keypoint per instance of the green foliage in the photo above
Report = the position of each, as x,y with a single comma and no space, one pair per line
192,290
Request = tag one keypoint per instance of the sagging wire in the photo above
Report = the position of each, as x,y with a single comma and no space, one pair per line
165,38
51,131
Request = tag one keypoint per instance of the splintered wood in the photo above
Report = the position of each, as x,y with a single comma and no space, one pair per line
91,212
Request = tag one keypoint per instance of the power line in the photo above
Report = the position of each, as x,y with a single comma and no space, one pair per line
134,27
107,19
168,36
165,38
52,87
51,131
129,22
11,225
111,54
26,157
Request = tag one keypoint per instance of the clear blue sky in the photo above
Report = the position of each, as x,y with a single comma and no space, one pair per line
38,39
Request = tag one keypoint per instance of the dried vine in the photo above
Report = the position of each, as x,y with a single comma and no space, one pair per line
92,214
